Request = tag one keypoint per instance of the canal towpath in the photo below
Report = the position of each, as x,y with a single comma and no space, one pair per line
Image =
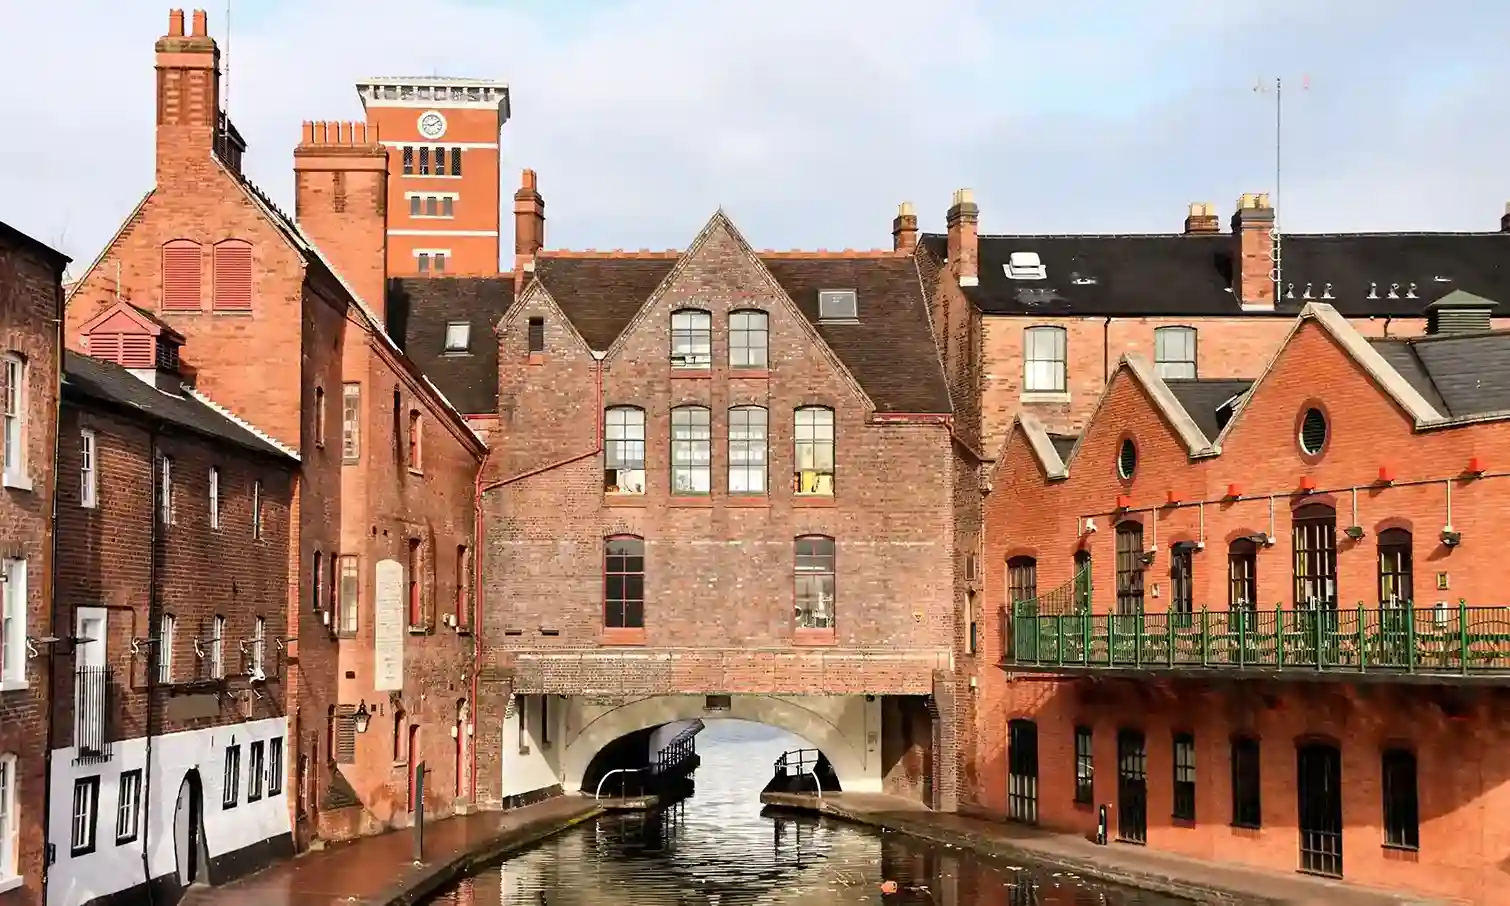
381,871
1128,866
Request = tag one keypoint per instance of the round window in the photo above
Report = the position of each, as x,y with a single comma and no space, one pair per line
1127,459
1313,431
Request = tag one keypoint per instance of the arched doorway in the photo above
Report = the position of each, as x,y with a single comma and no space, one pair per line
188,831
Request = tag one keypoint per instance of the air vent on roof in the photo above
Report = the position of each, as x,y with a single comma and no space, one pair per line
1459,312
1026,266
837,305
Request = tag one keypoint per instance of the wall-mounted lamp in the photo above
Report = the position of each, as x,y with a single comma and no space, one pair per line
1451,538
362,718
1261,538
1089,528
1147,557
1183,546
1354,532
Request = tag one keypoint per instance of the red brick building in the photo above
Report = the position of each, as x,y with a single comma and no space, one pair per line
1257,619
283,326
171,600
30,301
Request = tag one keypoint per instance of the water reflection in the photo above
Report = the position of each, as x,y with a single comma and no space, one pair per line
717,848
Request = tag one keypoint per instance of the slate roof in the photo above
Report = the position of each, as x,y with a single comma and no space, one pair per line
1063,444
110,383
1203,398
1459,374
11,236
1190,275
890,351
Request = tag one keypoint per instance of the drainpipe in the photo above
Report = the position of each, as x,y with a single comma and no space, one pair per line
154,649
52,572
1106,350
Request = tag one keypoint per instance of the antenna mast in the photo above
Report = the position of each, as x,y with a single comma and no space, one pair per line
225,100
1276,235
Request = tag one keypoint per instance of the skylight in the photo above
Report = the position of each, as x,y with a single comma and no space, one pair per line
458,336
1026,266
838,305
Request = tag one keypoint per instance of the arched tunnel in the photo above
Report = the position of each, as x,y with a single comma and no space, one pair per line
626,766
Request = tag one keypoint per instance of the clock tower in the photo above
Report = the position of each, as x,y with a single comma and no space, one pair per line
443,171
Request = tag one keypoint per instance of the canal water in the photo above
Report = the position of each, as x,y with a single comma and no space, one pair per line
716,849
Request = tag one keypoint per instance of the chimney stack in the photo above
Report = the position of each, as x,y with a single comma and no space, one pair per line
904,229
1202,219
1253,259
188,96
529,221
964,238
341,202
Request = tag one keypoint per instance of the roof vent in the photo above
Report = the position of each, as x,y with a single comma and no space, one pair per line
1459,312
1026,266
838,305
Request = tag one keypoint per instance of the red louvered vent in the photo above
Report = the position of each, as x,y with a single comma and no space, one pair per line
137,351
233,276
183,276
105,346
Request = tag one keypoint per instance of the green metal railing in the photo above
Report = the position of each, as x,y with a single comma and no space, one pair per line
1430,640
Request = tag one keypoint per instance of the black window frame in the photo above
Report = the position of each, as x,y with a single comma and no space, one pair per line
535,336
256,764
1396,568
128,834
1183,771
624,561
1246,757
275,758
90,786
1399,775
1085,765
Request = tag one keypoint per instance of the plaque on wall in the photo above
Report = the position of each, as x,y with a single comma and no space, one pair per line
388,629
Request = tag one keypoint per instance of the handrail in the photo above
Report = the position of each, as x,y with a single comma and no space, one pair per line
599,793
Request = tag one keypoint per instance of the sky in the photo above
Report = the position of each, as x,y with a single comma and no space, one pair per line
808,122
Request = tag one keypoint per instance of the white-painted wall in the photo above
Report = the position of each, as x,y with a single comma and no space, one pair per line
532,760
664,735
110,868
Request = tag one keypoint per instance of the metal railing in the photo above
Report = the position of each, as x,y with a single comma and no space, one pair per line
678,750
801,761
94,699
1440,640
623,791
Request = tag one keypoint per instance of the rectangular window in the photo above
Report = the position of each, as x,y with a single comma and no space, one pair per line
536,336
815,575
440,262
259,641
440,161
13,410
1402,810
624,450
432,206
86,809
747,450
624,583
1247,804
447,206
351,422
88,480
167,639
1085,787
257,510
691,339
463,572
1184,777
458,337
1044,360
455,161
1182,585
13,604
424,161
10,837
748,339
1174,352
691,450
1242,576
416,604
319,416
815,451
350,595
165,489
275,766
128,808
255,765
217,648
422,260
214,498
414,205
408,160
231,782
316,581
416,438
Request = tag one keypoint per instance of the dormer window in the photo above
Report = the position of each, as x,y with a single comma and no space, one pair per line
1026,266
838,305
458,336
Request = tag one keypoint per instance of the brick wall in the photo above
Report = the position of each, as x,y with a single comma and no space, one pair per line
30,295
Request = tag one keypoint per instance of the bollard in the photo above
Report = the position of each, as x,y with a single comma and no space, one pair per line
1102,825
419,812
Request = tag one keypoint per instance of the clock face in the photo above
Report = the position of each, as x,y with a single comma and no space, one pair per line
432,124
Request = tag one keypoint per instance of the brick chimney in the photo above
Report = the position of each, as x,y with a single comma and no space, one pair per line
964,238
1202,219
529,221
341,201
1505,219
188,94
1253,258
904,229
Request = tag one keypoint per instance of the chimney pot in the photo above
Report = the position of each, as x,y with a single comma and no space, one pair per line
175,23
904,229
201,27
1202,219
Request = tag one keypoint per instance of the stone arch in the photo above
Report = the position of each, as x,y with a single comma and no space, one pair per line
846,756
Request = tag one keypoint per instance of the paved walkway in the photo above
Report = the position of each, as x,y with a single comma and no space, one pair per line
1127,865
381,871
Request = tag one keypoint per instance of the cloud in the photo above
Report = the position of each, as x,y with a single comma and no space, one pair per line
809,122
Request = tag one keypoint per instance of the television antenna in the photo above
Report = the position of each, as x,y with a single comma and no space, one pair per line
1276,235
225,100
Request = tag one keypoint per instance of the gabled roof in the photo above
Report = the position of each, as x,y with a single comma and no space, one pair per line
140,318
1362,274
107,382
1206,399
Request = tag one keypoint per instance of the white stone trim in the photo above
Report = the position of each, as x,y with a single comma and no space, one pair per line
426,143
478,234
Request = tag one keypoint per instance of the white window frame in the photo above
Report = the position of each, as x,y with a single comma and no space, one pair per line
230,790
458,337
10,824
1045,359
167,636
13,429
89,484
259,639
691,338
275,766
217,648
1169,368
128,807
13,613
165,489
214,497
256,511
749,451
85,818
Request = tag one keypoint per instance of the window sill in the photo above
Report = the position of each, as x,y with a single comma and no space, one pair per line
614,498
813,500
1399,851
11,883
753,374
17,481
1249,831
401,762
748,503
13,685
1040,396
535,358
419,629
690,502
814,637
234,312
417,472
625,636
692,374
1079,806
1181,822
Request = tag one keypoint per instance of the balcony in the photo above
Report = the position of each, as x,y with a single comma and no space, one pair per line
1444,641
93,714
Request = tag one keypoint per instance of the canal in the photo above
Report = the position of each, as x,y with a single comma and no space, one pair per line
717,849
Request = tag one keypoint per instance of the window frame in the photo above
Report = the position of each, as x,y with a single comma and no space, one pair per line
810,437
1131,590
694,424
1183,777
623,601
1245,757
1164,365
128,810
348,595
1242,577
217,647
14,614
691,339
167,640
463,584
256,510
630,448
414,597
14,421
259,642
1396,557
416,461
1314,560
1085,765
815,562
754,478
351,422
535,336
230,782
10,817
165,488
84,817
1400,794
450,344
89,484
1056,358
256,764
212,492
275,765
749,333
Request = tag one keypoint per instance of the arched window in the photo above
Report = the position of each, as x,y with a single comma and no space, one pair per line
1045,360
233,275
747,451
815,441
816,569
749,337
183,276
624,450
691,338
1174,352
1395,568
1242,576
691,450
1022,584
624,582
1315,535
1130,568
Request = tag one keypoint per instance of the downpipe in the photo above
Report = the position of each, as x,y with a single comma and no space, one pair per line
48,851
154,652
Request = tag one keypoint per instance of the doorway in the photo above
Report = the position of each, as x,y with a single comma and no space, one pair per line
1318,780
188,831
1022,771
91,682
1132,787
